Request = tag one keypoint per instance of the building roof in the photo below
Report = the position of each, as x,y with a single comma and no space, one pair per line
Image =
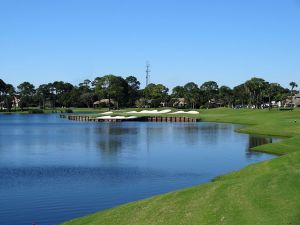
105,101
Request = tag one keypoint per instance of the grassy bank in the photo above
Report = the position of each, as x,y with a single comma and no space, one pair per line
35,110
262,193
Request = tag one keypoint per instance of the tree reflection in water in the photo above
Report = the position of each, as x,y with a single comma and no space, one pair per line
113,138
256,140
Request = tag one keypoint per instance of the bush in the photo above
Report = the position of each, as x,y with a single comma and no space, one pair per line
286,109
36,111
68,111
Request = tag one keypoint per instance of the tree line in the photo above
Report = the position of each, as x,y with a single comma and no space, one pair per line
126,92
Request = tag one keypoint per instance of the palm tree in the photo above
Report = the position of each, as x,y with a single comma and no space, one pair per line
10,97
254,88
293,85
270,92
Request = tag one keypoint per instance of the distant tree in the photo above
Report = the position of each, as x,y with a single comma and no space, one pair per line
140,103
86,94
10,97
133,89
26,91
43,94
191,94
271,90
7,95
85,86
52,96
255,87
293,85
240,95
62,92
226,95
127,92
210,90
101,86
87,99
2,85
85,83
178,92
2,91
156,93
112,87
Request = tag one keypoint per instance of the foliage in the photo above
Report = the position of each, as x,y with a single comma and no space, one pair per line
140,103
226,96
178,92
35,111
191,94
255,88
112,87
26,91
209,90
68,111
115,91
133,89
155,94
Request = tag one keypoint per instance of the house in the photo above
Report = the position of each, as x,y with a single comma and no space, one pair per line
294,102
178,102
104,102
213,103
275,104
15,102
153,103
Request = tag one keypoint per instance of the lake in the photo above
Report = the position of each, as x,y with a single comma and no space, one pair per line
53,170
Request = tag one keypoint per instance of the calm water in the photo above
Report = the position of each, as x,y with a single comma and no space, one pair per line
52,170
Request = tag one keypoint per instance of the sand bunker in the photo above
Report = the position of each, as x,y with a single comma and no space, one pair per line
106,113
150,111
117,117
184,112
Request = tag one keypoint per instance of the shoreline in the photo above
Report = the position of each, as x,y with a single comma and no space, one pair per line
283,166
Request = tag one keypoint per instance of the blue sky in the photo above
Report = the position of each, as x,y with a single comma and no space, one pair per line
185,40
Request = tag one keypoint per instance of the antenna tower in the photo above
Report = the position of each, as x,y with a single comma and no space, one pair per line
147,73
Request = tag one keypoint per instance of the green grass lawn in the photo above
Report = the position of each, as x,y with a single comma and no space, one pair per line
260,194
55,110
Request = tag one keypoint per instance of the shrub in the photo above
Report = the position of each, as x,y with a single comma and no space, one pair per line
68,111
36,111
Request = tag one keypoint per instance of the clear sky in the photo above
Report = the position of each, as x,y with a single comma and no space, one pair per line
185,40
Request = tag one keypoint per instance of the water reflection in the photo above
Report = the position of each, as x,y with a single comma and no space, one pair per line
113,137
63,169
256,140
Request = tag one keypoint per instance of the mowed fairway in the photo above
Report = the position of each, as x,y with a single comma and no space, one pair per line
260,194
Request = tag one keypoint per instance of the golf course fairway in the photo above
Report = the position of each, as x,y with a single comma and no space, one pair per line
265,193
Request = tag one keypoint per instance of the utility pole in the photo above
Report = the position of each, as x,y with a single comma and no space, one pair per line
147,73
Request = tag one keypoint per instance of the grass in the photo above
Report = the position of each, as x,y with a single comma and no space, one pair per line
266,193
55,110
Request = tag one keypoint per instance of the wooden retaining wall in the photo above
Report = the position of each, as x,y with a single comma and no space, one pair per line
171,119
144,118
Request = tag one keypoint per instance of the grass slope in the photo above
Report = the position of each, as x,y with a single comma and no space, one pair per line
263,193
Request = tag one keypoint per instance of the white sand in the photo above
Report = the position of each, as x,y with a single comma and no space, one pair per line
117,117
106,113
132,112
183,112
151,111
